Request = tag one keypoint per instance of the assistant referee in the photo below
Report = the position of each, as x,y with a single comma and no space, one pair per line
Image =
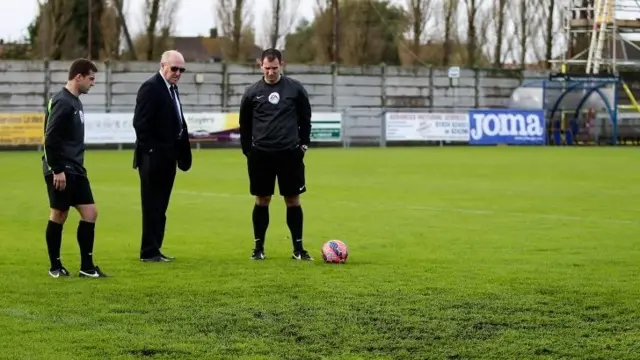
64,171
275,131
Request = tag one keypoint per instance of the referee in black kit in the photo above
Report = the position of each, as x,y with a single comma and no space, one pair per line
275,131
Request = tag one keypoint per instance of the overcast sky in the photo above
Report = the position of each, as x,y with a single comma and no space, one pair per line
195,17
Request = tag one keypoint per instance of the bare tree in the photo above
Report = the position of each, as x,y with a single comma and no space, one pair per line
324,39
321,7
551,15
119,6
484,37
151,11
509,48
472,12
450,12
519,30
527,24
420,12
168,11
499,11
537,31
110,30
159,18
335,31
234,17
357,40
283,14
510,41
55,32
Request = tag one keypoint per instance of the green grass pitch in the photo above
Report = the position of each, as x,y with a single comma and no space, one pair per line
455,253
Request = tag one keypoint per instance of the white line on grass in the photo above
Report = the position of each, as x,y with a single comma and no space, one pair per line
359,204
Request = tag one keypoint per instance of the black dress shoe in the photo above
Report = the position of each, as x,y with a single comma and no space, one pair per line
157,258
167,257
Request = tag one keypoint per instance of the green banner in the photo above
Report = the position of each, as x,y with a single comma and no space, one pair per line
326,127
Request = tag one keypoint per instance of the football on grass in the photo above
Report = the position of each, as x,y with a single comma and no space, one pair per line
335,251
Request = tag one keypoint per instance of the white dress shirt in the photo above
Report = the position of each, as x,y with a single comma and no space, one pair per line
169,89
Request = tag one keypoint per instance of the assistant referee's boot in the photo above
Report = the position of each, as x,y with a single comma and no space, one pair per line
59,272
301,255
258,254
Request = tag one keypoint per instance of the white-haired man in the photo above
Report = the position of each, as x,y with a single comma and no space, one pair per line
162,144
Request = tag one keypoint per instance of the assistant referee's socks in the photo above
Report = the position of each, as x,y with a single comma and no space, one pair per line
54,241
294,221
260,218
86,234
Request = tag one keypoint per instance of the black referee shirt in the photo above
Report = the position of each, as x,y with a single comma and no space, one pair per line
275,116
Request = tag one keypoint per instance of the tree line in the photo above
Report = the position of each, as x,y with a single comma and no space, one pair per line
471,33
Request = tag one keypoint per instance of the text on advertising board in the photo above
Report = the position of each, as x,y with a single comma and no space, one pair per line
104,128
21,128
427,127
507,126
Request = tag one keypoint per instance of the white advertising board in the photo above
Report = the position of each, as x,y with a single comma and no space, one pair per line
427,126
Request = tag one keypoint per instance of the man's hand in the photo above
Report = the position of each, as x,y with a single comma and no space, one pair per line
59,181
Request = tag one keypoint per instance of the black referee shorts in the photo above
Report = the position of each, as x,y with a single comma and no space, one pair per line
286,165
77,192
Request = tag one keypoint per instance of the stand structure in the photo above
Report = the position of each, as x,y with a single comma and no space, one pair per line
601,34
601,53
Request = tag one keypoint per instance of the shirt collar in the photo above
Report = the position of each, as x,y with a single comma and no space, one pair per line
165,81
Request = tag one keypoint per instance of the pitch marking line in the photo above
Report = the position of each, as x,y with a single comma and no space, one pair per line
558,217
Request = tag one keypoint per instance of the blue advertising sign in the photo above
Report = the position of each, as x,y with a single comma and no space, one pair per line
507,126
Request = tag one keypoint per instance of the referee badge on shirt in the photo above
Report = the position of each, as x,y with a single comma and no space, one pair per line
274,98
81,115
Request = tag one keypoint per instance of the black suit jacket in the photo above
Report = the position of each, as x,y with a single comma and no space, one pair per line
156,124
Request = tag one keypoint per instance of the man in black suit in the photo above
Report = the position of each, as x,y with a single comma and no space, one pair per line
162,143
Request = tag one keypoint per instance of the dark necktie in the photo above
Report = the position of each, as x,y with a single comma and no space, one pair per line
174,96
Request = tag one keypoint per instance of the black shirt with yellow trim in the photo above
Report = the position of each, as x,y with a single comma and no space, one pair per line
64,135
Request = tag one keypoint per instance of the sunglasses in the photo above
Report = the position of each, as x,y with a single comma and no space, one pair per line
175,69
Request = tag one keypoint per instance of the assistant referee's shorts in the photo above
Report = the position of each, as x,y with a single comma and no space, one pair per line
77,192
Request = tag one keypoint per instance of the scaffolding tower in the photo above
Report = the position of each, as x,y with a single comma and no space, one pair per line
602,58
605,32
